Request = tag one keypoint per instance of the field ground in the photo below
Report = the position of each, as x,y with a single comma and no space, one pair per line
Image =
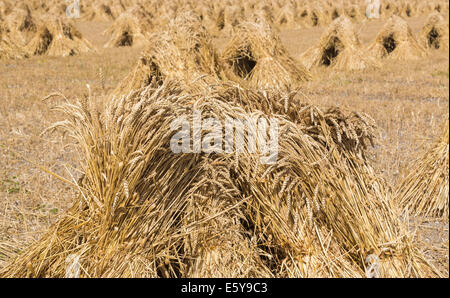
408,100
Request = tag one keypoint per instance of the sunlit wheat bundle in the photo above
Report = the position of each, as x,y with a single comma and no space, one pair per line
354,13
8,48
389,8
311,15
333,11
440,6
21,24
285,17
40,5
200,235
256,57
56,37
339,48
228,18
260,12
153,65
184,51
396,41
407,9
435,34
349,132
131,28
424,192
163,13
59,9
99,11
119,6
206,12
144,210
41,41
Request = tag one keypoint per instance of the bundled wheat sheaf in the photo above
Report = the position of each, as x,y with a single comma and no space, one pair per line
56,37
104,11
146,211
8,47
184,51
396,41
256,58
21,24
435,33
340,48
131,28
424,192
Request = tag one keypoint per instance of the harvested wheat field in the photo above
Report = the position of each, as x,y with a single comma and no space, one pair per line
186,139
